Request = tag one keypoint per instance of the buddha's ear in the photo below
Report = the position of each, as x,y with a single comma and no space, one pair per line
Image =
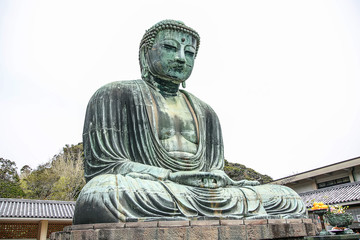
143,63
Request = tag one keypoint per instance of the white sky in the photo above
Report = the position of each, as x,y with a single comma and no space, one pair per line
283,76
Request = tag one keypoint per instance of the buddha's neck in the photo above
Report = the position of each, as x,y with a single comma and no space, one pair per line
166,88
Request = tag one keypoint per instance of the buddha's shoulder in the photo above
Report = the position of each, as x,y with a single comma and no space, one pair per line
197,101
118,87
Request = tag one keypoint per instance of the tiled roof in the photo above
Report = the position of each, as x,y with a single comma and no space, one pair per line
338,194
26,208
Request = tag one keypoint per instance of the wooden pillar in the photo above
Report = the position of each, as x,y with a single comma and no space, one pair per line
42,230
351,175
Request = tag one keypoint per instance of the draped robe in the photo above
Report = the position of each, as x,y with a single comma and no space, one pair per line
121,142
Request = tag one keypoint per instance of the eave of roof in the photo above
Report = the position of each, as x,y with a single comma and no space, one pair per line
348,193
319,171
28,208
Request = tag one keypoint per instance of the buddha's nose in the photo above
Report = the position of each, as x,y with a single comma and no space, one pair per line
180,57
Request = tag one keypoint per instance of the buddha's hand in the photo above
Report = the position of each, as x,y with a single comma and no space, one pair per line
228,181
243,183
213,179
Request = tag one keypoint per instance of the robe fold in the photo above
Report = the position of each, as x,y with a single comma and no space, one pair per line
126,167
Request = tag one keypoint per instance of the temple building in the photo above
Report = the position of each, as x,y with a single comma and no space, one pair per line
335,184
33,219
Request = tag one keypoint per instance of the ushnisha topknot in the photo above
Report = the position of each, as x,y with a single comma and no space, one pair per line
149,37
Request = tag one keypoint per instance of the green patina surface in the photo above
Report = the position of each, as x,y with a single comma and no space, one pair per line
154,152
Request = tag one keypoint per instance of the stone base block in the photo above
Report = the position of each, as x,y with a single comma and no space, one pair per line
203,230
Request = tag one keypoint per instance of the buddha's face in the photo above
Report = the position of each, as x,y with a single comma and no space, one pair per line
172,56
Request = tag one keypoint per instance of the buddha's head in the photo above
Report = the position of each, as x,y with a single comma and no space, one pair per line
168,50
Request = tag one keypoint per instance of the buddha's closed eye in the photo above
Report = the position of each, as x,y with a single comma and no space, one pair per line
169,47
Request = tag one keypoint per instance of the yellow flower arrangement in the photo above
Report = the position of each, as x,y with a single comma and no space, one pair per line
319,206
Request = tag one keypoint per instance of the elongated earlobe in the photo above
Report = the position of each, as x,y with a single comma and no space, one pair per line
145,72
183,84
143,64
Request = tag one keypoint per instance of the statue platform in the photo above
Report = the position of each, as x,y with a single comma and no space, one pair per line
205,229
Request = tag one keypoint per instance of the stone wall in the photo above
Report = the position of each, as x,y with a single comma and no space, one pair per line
203,230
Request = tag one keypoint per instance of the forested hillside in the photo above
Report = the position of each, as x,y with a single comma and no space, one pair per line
238,171
61,178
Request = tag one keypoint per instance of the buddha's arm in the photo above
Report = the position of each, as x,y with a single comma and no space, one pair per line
240,183
117,135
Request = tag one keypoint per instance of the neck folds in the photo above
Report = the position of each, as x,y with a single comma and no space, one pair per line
165,87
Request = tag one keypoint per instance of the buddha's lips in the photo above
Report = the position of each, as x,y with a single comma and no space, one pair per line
177,67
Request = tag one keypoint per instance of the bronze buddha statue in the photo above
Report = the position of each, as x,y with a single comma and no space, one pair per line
154,152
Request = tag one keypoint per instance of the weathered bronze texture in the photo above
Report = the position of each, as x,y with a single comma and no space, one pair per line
154,152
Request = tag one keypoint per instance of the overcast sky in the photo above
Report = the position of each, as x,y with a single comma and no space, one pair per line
283,76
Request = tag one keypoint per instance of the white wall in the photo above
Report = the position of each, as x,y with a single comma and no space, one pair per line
303,187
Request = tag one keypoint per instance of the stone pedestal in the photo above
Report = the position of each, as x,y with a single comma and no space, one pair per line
203,230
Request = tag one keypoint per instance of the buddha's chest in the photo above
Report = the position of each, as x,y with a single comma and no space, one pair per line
175,119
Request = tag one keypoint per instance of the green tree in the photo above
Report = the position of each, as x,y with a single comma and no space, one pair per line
69,167
25,171
238,172
62,178
7,170
38,183
9,180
